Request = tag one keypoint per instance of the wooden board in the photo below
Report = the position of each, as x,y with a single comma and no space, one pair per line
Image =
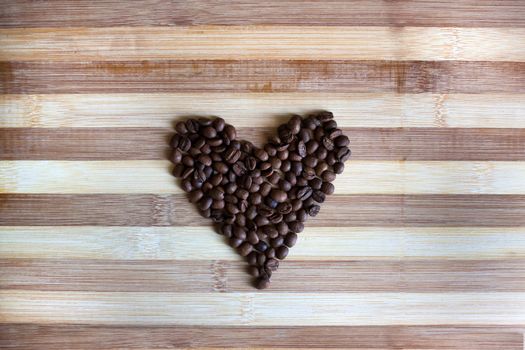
421,247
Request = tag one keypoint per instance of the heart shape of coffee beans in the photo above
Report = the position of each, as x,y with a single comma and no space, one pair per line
259,198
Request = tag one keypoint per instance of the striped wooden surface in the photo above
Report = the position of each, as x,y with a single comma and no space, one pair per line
421,247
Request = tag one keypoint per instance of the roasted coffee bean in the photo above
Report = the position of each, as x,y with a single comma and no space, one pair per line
327,143
250,163
328,176
302,215
253,270
290,217
220,167
198,142
216,179
315,183
275,218
321,153
180,127
218,124
341,141
330,125
310,161
321,167
232,155
318,196
294,157
301,181
276,162
285,165
277,242
245,249
297,168
294,124
262,283
226,230
296,226
235,242
284,208
176,156
305,135
335,133
297,204
304,193
324,116
217,193
208,132
241,193
301,149
270,253
339,167
343,154
261,246
231,208
178,170
281,252
229,132
290,239
278,195
313,210
205,203
283,155
261,221
195,196
312,146
285,134
327,188
186,185
205,159
230,188
331,159
218,204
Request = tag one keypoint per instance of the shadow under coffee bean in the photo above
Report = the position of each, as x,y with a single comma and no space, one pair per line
259,197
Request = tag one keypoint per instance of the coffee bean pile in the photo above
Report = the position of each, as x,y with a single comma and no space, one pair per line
260,198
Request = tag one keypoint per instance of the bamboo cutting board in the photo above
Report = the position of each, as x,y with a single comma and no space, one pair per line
422,247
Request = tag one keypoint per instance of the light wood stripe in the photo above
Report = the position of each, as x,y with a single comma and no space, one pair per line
262,42
258,309
250,110
262,76
432,275
341,211
315,243
477,144
448,336
360,177
464,13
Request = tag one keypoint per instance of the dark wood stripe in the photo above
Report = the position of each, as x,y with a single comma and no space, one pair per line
294,276
351,210
65,336
366,143
463,13
262,76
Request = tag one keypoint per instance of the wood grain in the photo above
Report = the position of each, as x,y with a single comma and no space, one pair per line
262,42
294,276
447,336
464,13
248,110
202,75
341,211
257,309
360,177
410,144
325,243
